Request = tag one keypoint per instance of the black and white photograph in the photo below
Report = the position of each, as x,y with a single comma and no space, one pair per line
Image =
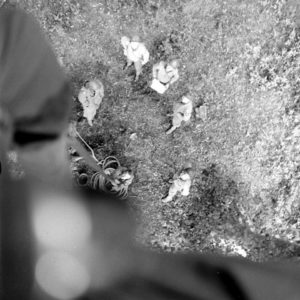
149,149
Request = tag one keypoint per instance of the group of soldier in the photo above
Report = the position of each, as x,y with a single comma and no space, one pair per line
164,74
61,243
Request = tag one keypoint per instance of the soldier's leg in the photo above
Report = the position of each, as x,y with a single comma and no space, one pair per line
169,131
186,189
172,192
138,69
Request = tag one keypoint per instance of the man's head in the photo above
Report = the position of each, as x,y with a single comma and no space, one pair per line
135,41
125,41
184,175
187,172
174,63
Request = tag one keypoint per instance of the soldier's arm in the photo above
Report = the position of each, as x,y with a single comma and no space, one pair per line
174,78
145,55
125,42
100,90
177,108
39,118
98,97
186,188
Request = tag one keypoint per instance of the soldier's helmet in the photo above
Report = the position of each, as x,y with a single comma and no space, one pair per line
125,41
174,63
135,39
184,175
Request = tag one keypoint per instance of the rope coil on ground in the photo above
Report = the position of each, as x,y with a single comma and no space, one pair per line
101,180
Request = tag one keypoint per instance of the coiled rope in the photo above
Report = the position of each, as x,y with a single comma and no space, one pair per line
102,179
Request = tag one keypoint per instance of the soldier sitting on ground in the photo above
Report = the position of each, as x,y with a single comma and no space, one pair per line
164,75
180,183
136,53
83,247
182,111
90,97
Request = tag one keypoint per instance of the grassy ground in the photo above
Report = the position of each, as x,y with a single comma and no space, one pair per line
241,59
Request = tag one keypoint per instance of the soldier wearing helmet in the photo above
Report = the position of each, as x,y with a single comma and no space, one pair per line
136,53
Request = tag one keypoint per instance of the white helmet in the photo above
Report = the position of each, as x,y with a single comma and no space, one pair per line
185,176
185,100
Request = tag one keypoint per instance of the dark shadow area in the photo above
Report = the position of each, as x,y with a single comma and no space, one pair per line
215,210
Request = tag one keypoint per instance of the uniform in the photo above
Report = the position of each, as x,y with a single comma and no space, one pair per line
163,75
136,53
35,102
90,97
182,112
181,185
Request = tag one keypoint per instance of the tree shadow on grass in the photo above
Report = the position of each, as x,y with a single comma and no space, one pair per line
214,210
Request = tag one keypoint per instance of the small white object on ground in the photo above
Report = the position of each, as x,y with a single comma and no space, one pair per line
133,136
201,112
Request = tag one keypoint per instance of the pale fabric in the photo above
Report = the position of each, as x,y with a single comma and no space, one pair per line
90,99
122,180
181,185
125,41
159,72
172,73
164,74
183,111
201,112
139,54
